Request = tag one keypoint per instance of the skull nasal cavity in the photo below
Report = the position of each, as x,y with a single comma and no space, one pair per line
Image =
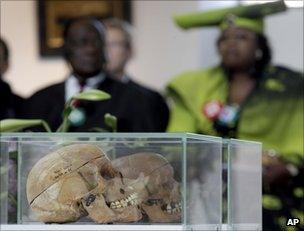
90,199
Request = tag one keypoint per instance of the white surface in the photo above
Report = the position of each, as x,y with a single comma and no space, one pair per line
90,227
285,33
107,227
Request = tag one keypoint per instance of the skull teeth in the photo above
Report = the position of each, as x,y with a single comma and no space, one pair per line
151,202
172,208
128,201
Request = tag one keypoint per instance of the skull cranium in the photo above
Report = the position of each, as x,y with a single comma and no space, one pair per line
79,180
163,203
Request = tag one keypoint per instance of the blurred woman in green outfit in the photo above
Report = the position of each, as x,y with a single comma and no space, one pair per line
246,97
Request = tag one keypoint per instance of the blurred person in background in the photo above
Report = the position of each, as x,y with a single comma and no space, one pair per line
10,107
84,51
246,97
10,104
119,52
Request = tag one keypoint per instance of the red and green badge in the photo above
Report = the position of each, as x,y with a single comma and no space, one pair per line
212,109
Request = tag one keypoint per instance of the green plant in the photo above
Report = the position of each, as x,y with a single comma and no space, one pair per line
111,121
14,125
90,95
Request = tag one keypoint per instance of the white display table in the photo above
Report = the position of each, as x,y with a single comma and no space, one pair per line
90,227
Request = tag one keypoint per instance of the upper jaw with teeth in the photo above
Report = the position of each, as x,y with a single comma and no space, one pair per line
151,202
172,208
130,200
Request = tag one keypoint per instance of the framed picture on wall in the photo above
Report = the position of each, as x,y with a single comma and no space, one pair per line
54,15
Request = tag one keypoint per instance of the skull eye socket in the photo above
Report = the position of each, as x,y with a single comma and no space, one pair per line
122,191
167,186
121,178
107,177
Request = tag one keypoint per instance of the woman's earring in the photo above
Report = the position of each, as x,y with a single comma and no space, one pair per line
258,54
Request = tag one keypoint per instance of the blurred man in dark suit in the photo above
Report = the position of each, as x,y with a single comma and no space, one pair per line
119,51
84,52
10,104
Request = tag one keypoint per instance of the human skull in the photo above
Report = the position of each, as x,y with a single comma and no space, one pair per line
117,202
79,180
163,203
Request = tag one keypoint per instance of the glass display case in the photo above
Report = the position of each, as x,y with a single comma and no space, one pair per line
128,181
244,184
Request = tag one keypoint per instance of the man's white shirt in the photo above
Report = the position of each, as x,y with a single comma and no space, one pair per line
72,86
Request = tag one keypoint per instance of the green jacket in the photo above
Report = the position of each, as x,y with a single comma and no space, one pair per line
272,114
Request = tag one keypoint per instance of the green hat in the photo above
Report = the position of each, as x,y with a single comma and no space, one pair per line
250,17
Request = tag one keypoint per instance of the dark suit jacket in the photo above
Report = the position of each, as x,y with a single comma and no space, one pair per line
130,105
157,105
10,104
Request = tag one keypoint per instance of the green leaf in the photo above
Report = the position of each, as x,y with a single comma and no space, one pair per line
13,155
271,202
3,170
64,127
14,125
3,195
67,111
12,199
92,95
111,121
97,129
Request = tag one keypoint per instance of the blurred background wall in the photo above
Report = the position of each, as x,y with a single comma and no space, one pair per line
161,49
